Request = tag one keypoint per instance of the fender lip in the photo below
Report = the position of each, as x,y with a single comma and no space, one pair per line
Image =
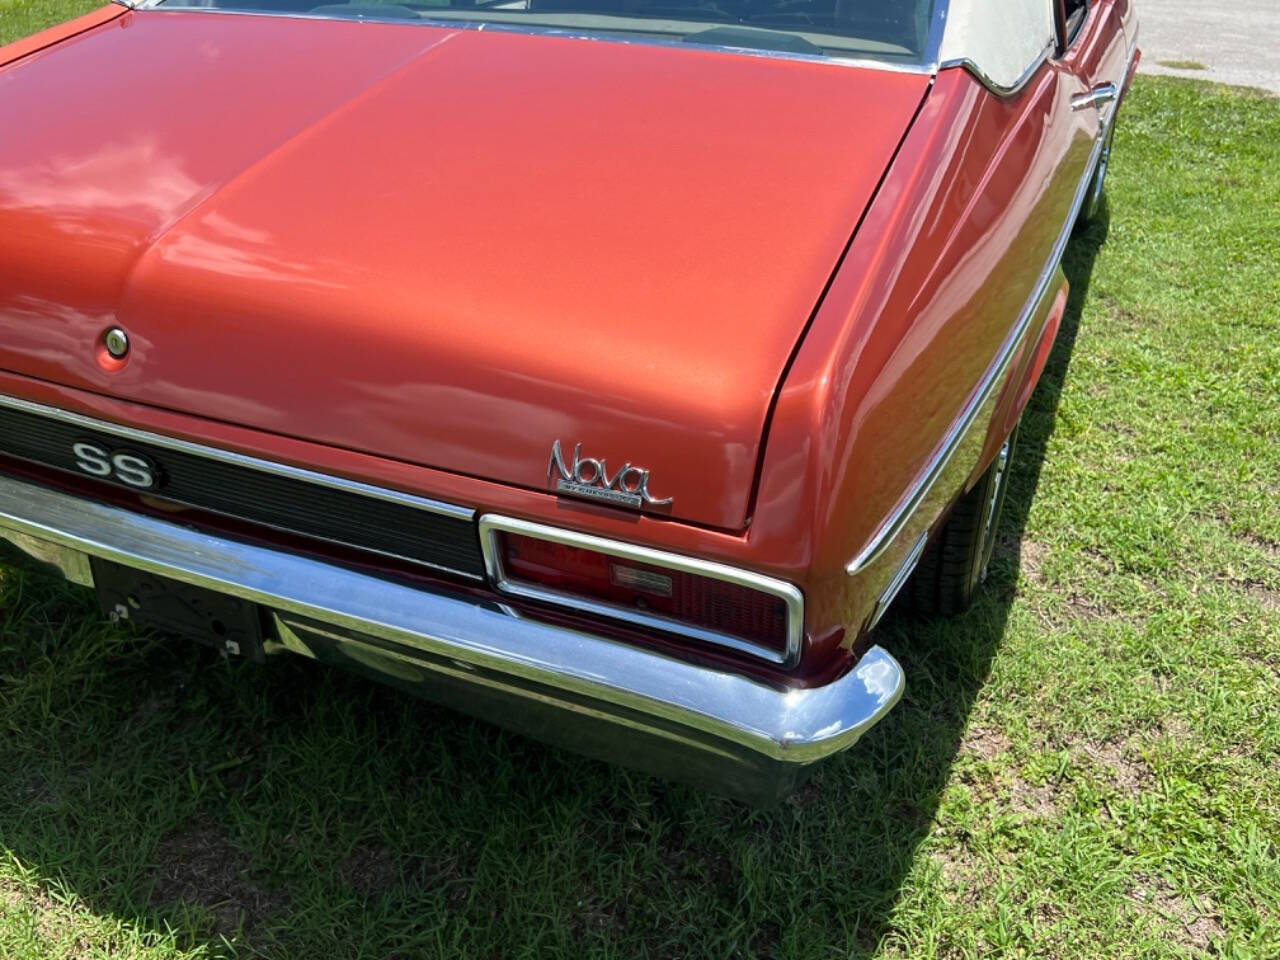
619,702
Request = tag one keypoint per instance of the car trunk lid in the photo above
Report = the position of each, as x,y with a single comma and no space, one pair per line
450,248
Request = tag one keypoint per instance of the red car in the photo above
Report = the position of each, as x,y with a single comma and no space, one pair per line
603,368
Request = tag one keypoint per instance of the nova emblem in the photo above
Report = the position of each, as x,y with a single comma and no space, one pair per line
587,477
131,469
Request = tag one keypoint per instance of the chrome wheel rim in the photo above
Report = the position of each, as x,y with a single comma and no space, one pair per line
997,485
992,510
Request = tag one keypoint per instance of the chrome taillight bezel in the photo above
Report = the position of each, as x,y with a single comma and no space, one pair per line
491,525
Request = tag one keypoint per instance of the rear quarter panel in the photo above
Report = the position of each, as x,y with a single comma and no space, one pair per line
945,263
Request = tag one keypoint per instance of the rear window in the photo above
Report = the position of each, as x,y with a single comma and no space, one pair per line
893,30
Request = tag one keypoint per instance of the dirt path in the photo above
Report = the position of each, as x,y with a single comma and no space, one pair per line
1234,41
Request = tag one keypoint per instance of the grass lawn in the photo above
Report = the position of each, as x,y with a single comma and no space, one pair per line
18,18
1086,765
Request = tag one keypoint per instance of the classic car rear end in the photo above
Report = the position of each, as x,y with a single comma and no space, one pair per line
607,390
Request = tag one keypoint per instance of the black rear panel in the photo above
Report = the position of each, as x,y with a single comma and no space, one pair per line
287,503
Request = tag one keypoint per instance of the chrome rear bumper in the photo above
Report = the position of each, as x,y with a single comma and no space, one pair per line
588,693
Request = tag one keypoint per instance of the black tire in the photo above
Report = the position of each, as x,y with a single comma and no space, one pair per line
1097,186
954,563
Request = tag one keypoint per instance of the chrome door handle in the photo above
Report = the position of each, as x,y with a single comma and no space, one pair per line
1103,93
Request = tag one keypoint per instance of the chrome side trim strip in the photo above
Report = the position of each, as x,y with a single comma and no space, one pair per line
920,489
592,680
488,26
491,525
241,460
900,578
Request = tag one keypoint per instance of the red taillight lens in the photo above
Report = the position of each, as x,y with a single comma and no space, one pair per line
705,603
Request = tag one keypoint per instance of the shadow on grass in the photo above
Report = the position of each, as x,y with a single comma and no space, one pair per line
295,811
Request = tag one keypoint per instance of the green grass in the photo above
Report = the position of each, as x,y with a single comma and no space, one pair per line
1086,765
18,18
1182,64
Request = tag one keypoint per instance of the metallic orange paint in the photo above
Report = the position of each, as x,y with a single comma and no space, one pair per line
419,258
941,267
444,247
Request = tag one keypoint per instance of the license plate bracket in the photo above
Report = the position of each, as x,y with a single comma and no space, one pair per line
169,606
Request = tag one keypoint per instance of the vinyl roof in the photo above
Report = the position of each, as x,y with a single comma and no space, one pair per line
1001,40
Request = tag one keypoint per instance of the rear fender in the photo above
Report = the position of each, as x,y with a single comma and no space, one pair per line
1024,374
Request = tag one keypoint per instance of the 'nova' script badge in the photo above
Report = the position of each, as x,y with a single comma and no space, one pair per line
587,477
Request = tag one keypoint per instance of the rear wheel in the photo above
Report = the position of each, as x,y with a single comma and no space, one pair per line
955,562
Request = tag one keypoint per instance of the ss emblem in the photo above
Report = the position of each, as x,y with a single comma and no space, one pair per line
130,469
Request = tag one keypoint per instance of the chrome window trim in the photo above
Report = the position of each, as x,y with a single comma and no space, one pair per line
899,517
930,65
834,59
242,460
1049,52
936,31
996,88
493,524
1063,44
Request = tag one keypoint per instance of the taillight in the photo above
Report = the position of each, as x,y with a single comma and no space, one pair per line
661,591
